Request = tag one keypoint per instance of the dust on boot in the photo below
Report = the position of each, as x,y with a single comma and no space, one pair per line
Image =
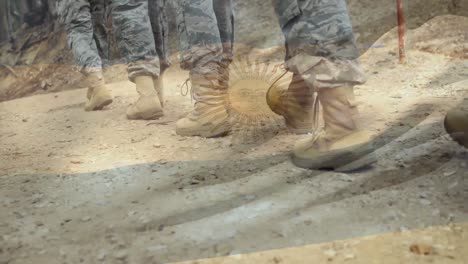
148,106
456,123
295,104
98,95
342,142
209,91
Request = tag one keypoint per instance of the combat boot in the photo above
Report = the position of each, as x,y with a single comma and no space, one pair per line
209,117
98,95
148,106
342,141
295,104
456,123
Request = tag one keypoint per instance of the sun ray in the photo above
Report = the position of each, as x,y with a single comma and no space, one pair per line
251,119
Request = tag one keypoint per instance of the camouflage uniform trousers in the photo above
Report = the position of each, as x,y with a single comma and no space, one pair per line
320,43
132,28
159,24
100,13
206,32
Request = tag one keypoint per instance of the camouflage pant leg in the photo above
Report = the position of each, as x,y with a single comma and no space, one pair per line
320,42
225,17
76,16
134,35
199,34
157,14
100,17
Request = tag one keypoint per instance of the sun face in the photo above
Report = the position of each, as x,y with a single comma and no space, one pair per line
249,81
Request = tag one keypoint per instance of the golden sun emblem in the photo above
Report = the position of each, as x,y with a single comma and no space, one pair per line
250,117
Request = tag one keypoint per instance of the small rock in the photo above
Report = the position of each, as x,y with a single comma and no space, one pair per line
423,196
161,228
425,202
422,249
223,250
330,253
102,254
121,254
453,185
44,85
86,219
449,173
144,220
156,248
199,178
349,256
346,178
131,213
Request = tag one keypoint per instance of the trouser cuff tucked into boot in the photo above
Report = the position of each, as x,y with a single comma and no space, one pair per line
98,95
209,117
296,104
148,106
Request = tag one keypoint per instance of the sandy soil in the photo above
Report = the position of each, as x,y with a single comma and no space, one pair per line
432,245
80,187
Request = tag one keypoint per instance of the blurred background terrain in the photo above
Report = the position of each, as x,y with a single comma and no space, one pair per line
34,57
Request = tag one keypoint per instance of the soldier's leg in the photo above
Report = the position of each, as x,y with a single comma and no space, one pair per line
78,25
202,54
225,17
99,15
321,51
133,32
159,24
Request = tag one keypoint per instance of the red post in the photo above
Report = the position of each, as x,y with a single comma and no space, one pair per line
401,31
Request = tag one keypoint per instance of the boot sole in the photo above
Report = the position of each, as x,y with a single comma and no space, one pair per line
147,109
351,159
197,133
154,116
460,137
100,106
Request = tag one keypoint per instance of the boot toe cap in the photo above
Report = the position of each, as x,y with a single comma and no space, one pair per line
456,124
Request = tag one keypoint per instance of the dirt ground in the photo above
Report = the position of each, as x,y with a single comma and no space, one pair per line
80,187
432,245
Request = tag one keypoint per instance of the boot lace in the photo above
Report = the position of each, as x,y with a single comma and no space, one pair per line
316,105
185,89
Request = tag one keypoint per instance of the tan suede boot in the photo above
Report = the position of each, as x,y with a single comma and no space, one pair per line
97,94
456,123
209,117
342,143
296,105
148,106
